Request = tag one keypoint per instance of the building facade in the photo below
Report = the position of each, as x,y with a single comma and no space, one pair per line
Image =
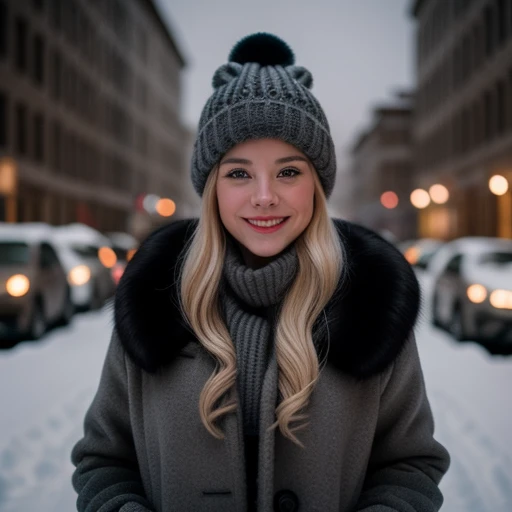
382,162
90,115
463,119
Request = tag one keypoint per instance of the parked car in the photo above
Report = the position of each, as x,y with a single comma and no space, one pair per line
34,289
89,258
124,245
419,252
472,292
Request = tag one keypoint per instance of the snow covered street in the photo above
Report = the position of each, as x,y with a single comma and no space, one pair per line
48,385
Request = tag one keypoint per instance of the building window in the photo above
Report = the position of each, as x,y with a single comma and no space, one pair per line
57,75
4,27
502,21
38,5
21,129
490,30
502,108
21,44
38,56
57,147
4,121
38,138
56,14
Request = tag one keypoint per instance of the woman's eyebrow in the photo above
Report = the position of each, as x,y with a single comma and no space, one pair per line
243,161
284,160
292,158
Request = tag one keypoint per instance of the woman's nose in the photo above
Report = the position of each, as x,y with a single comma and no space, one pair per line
264,195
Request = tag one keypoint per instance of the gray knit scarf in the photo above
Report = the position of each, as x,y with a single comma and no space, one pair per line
246,296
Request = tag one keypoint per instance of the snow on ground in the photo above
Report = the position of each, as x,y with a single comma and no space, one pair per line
48,385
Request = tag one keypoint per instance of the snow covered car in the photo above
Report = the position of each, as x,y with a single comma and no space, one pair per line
472,292
419,252
89,258
34,290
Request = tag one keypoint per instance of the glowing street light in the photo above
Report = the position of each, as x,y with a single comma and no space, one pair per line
439,193
498,185
420,198
389,200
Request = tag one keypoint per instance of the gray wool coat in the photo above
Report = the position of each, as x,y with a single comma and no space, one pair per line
369,444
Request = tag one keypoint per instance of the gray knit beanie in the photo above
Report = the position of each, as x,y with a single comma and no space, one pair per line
261,93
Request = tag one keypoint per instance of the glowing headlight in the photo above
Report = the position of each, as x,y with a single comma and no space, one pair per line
79,275
107,256
501,299
17,285
476,293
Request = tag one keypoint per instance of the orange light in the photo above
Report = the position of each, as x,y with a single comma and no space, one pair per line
498,185
476,293
165,207
130,254
107,256
420,198
389,200
412,255
439,194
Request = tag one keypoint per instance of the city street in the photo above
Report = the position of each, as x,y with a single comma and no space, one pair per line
47,386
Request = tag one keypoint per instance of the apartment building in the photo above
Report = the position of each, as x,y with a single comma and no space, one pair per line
90,118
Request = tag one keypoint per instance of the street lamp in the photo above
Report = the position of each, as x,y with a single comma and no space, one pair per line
420,198
439,193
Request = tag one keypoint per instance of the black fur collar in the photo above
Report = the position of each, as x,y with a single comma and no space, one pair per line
370,316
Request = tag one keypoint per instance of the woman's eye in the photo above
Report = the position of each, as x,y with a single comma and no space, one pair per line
237,174
290,172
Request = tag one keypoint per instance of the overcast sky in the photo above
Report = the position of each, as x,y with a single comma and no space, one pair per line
359,51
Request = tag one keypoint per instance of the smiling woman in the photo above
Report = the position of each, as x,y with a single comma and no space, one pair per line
263,356
265,187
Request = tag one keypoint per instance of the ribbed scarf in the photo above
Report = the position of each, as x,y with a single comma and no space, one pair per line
246,297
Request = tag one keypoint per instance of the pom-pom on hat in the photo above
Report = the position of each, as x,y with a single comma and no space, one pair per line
260,93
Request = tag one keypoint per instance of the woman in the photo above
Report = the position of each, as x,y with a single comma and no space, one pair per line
263,357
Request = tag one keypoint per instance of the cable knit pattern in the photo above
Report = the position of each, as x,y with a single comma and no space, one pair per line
245,298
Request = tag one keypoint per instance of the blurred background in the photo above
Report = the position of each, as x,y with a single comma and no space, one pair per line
99,102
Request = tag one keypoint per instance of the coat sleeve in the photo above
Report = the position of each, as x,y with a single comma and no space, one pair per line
107,476
406,463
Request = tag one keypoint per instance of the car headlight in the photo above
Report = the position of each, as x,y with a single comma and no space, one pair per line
79,275
476,293
18,285
501,299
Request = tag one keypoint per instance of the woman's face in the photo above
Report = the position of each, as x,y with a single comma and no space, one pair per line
265,191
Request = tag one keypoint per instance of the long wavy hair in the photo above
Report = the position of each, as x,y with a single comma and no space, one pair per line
320,260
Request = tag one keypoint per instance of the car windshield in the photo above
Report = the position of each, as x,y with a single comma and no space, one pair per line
85,251
14,253
496,259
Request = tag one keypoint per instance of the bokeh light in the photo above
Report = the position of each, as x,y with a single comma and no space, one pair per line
498,185
439,193
389,200
420,198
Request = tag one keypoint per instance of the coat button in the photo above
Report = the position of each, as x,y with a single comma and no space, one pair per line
286,501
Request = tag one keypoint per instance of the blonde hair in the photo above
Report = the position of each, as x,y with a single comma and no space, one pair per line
320,259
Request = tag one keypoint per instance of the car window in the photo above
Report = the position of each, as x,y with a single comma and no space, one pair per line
496,258
454,265
14,253
85,251
48,256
